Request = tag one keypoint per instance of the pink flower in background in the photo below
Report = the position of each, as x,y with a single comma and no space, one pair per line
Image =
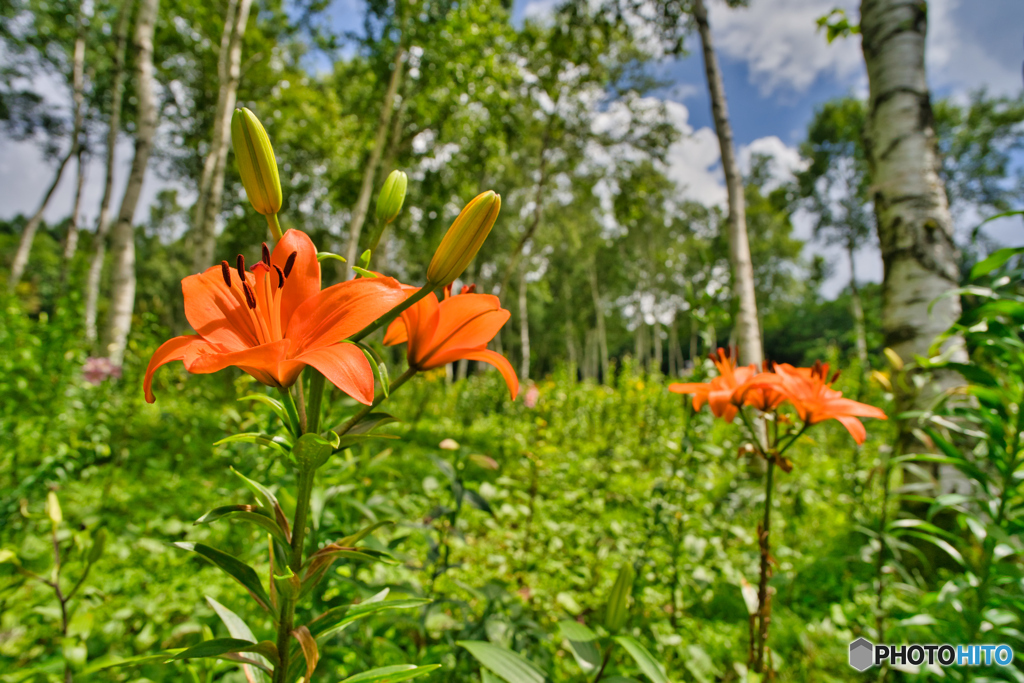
532,395
96,370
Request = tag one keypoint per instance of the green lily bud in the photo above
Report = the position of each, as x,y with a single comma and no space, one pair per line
391,197
53,508
256,163
464,239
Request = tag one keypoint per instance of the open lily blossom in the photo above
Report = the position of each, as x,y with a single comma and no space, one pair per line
273,320
720,392
455,329
811,393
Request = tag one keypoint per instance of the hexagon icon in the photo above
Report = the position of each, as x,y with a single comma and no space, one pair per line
862,654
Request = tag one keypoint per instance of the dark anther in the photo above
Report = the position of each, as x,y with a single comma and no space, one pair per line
225,270
250,298
290,263
280,277
266,255
240,263
835,377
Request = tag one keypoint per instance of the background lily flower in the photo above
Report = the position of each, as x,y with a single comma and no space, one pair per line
721,391
274,320
811,393
457,328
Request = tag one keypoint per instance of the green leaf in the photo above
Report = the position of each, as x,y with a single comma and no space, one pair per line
350,541
582,643
322,256
643,658
274,404
337,619
246,513
218,647
364,272
509,666
235,568
616,609
239,629
257,438
995,260
132,661
267,500
478,501
389,674
371,422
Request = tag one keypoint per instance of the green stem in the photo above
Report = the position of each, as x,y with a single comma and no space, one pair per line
317,386
392,314
275,226
762,588
293,415
354,420
284,636
287,620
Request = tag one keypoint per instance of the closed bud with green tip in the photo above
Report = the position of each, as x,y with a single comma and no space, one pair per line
391,197
464,239
256,163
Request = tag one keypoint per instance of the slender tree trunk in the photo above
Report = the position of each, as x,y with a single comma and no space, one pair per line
122,296
71,239
370,170
570,329
524,328
748,333
211,186
99,253
538,212
657,359
915,227
673,348
602,337
857,310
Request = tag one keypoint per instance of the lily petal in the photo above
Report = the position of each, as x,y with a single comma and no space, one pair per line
262,362
855,427
464,326
501,363
340,311
171,350
304,277
345,366
217,313
397,332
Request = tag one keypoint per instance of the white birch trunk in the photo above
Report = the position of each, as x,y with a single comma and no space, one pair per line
370,171
211,186
524,328
71,239
915,227
602,337
99,253
747,329
78,97
857,310
122,296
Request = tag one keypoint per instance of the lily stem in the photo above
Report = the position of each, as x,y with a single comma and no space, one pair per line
762,588
392,314
287,621
354,420
293,415
317,386
275,226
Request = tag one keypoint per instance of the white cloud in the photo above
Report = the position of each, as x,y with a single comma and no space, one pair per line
785,160
781,44
693,160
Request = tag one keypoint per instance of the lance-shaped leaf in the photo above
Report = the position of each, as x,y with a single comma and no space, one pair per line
233,567
248,513
616,608
335,620
371,422
643,658
583,643
478,501
352,439
220,647
268,501
320,561
309,649
363,533
391,674
274,404
276,442
510,666
239,629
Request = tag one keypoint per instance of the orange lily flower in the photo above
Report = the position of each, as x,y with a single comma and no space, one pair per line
721,392
455,329
811,393
274,320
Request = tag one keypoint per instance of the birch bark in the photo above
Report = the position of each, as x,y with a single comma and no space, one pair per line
122,295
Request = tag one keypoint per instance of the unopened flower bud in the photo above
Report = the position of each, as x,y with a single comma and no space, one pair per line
256,163
464,239
391,197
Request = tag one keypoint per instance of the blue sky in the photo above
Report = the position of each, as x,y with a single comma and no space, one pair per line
777,68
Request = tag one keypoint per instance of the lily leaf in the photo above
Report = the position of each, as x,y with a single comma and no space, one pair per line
274,404
335,620
248,513
233,567
398,672
643,658
510,666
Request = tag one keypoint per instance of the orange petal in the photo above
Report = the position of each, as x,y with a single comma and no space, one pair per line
340,311
215,312
345,366
397,332
171,350
846,406
499,361
465,322
420,323
854,426
303,279
688,388
262,362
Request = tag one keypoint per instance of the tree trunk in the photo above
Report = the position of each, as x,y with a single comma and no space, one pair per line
915,227
570,329
748,333
99,253
122,296
673,349
602,337
656,359
857,310
524,328
211,185
370,170
71,239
